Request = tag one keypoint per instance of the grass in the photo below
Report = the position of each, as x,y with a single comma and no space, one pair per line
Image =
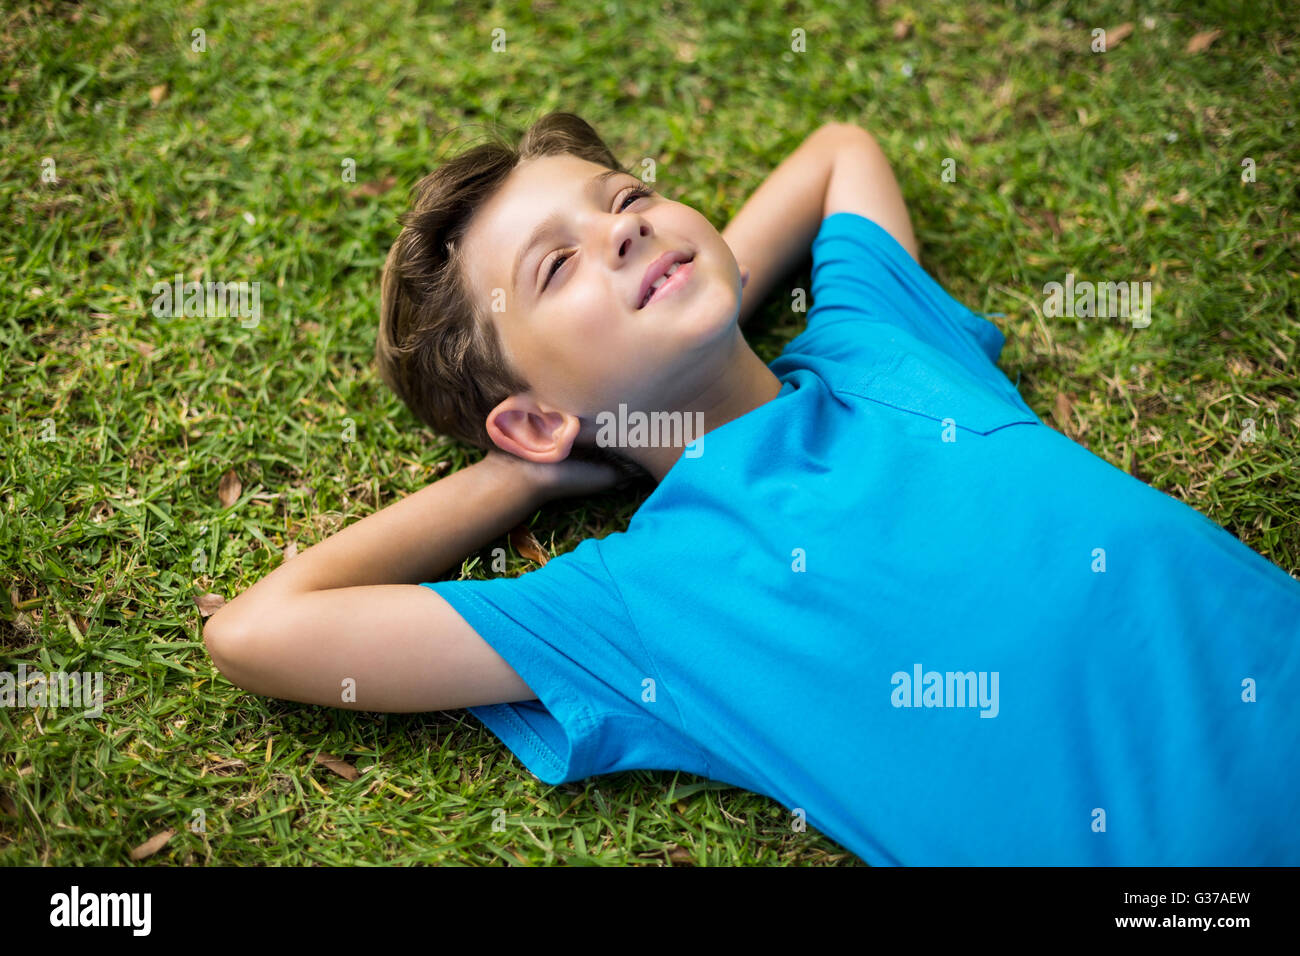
119,426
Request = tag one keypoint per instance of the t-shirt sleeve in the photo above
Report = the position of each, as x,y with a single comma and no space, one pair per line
870,295
565,630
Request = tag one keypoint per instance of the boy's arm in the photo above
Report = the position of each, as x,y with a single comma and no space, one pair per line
352,606
862,182
838,168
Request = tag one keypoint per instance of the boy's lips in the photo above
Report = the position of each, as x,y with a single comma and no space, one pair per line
657,269
673,283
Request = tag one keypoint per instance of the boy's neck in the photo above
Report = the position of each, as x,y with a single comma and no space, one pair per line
745,384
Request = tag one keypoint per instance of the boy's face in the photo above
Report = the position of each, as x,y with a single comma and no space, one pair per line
578,333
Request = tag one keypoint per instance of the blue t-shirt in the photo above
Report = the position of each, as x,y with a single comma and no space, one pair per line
894,599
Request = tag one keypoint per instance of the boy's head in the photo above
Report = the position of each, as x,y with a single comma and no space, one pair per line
526,358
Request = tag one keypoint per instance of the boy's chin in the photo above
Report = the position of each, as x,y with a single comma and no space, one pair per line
705,321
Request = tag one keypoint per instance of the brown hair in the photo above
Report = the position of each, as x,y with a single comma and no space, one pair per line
436,346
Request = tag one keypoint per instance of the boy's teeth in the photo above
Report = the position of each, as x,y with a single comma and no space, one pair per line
654,286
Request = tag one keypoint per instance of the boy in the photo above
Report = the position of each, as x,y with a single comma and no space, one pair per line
879,590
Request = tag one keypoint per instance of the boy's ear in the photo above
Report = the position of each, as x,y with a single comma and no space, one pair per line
522,427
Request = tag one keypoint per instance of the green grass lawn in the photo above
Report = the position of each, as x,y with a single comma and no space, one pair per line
227,164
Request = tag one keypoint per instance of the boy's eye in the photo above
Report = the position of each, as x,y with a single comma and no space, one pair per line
633,194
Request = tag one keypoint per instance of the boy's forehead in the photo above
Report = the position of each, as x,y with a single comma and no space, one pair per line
535,189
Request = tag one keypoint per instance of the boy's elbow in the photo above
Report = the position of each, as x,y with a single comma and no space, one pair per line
841,129
835,125
222,640
841,135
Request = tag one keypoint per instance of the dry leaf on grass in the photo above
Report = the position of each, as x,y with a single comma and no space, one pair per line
1062,411
902,28
1117,35
152,845
220,763
209,604
340,767
523,541
376,187
1053,223
1133,466
1201,42
157,93
229,489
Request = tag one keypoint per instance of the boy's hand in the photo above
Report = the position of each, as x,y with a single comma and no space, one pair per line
561,479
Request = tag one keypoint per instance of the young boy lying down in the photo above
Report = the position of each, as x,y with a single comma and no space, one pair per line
879,589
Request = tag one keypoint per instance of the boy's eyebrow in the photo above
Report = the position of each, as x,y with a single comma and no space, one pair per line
594,186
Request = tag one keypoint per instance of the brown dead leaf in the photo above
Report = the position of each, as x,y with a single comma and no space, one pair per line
340,767
157,93
152,845
902,29
144,348
1201,42
221,763
1133,465
1053,223
209,604
681,855
1063,413
1117,35
229,489
522,540
376,187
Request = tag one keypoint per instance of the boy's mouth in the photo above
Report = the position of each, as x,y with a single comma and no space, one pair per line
664,275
